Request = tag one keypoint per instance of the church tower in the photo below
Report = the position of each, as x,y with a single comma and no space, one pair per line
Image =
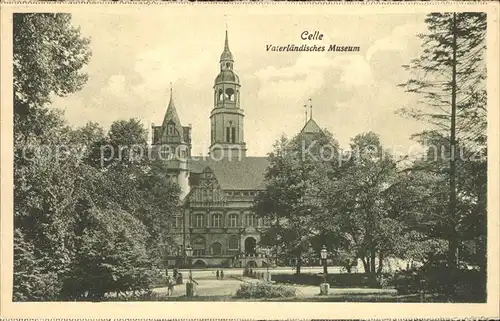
172,144
226,118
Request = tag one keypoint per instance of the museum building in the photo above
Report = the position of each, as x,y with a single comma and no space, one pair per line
217,190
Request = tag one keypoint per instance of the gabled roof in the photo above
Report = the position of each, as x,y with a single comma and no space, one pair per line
311,127
245,174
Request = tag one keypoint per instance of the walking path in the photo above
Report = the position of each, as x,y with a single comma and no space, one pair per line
226,287
229,286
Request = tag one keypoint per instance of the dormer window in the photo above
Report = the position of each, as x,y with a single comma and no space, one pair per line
171,128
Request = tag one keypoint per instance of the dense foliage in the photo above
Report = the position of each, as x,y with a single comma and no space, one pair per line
364,203
449,77
83,227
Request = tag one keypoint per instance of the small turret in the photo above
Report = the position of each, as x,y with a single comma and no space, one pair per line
172,144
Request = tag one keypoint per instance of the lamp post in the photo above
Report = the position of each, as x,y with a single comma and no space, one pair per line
189,284
323,288
268,256
189,254
324,256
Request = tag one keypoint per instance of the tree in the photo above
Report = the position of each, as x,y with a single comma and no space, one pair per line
372,207
81,230
296,171
48,55
450,77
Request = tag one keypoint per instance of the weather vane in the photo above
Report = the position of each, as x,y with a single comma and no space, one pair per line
310,106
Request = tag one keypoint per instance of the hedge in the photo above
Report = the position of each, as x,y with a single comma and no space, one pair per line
347,280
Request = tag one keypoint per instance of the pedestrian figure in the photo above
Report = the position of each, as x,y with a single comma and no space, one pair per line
175,273
166,271
170,285
217,274
221,274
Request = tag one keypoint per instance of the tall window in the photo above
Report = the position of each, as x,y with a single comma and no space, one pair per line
233,135
228,135
216,220
199,245
178,221
251,220
233,242
199,220
233,220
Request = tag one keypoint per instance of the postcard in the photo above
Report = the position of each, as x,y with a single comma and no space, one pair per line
249,160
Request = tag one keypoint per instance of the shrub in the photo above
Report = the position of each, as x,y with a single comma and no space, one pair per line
264,290
144,295
335,280
406,282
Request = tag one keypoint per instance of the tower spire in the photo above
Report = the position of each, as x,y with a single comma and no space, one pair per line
171,104
226,55
171,113
226,42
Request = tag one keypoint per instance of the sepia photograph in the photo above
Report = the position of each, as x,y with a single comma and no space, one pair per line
244,156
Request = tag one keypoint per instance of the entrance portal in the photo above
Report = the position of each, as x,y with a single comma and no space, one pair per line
216,248
250,244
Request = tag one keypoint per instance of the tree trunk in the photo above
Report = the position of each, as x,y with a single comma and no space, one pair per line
366,265
373,255
299,263
452,241
380,262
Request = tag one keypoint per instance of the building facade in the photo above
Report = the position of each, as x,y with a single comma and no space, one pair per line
218,190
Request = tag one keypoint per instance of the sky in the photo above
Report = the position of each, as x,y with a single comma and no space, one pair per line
136,56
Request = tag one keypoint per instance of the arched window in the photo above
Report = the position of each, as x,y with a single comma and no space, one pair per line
234,242
216,248
230,133
233,220
229,94
216,220
221,95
